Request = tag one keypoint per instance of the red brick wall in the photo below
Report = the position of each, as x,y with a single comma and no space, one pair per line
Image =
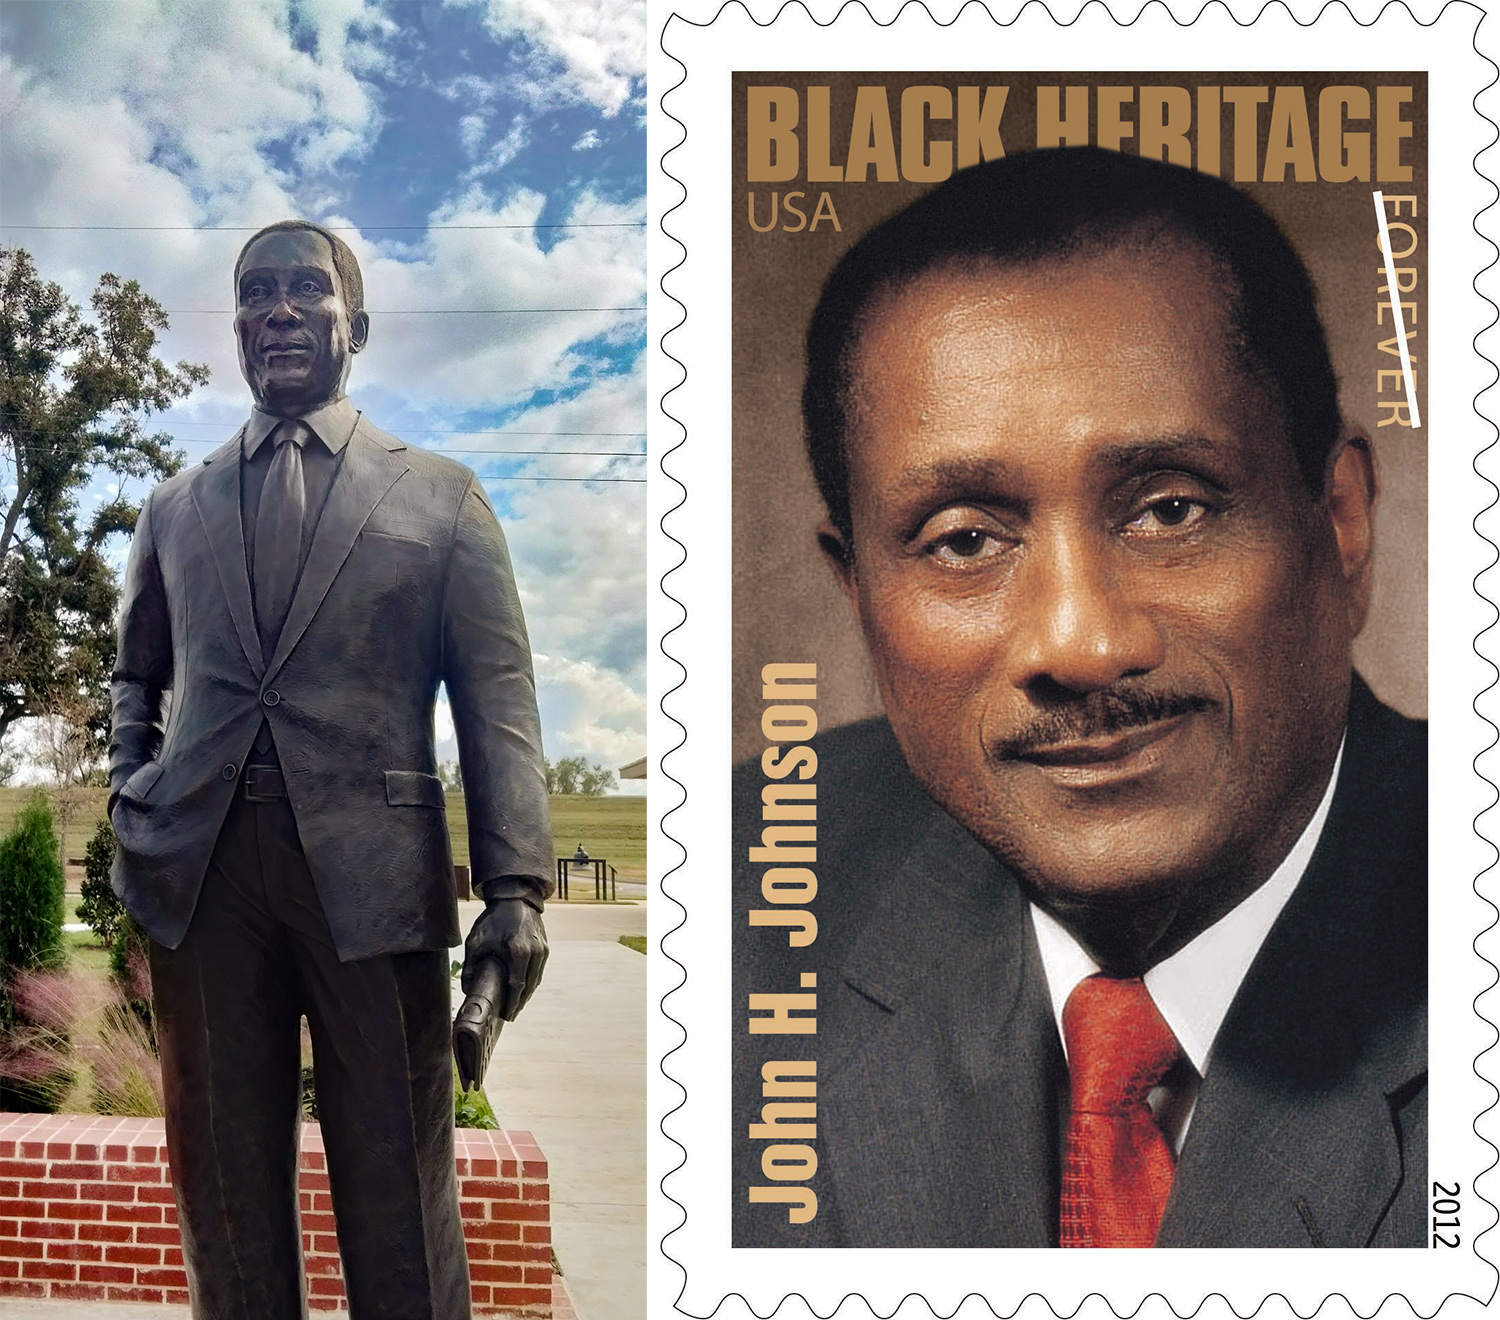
86,1213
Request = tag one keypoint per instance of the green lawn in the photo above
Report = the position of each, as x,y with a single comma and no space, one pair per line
610,827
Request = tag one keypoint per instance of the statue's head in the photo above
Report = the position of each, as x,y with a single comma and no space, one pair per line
299,315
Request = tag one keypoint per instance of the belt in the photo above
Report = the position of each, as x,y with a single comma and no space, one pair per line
264,783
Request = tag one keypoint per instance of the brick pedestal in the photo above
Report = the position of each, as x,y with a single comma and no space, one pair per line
86,1213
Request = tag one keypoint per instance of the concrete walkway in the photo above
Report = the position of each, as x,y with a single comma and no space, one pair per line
571,1071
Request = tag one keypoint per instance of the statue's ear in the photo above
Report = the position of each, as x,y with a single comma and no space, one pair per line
359,330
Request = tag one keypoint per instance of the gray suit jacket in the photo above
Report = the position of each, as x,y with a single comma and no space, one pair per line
941,1084
407,584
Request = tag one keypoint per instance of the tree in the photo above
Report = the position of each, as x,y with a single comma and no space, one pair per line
67,741
563,776
31,896
98,908
596,781
575,775
74,397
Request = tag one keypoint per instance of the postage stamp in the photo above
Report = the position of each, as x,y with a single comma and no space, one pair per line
1069,429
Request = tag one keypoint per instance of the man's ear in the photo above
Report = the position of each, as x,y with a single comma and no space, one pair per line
839,552
359,330
1349,494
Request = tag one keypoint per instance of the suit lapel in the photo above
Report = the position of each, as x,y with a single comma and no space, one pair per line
1296,1138
938,1132
368,471
216,496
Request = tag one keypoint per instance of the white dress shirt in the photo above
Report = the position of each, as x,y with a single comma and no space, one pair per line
1195,986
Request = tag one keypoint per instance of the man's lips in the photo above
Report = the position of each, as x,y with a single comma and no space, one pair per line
1107,750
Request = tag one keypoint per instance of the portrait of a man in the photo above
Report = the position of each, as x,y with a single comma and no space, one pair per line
1121,904
290,607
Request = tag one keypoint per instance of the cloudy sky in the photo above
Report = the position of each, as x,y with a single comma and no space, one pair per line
486,161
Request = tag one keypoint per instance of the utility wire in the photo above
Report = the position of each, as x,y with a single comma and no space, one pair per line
348,229
434,430
487,453
423,311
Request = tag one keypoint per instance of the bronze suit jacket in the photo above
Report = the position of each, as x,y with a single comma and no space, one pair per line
941,1083
406,584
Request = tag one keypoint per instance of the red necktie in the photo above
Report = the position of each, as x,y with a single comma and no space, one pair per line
1117,1169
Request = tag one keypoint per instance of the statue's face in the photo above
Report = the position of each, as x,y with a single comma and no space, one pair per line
1110,624
296,335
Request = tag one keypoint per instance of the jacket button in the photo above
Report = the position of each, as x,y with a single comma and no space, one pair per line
230,772
271,697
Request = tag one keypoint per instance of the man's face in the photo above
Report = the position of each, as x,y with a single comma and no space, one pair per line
296,335
1109,622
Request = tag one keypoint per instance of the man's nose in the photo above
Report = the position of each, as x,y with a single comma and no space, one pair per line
1082,624
282,312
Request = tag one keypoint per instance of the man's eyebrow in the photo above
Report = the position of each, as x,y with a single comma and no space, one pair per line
951,473
1156,451
296,272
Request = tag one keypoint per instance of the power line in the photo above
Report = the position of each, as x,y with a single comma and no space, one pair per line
337,229
434,430
619,481
487,453
423,311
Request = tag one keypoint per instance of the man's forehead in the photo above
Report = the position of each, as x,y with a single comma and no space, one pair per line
285,248
1147,260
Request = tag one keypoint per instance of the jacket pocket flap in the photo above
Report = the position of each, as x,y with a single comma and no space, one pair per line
139,784
412,788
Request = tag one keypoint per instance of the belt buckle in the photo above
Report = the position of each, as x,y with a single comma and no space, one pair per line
269,773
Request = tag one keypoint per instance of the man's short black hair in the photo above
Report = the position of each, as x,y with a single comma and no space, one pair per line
351,282
1058,202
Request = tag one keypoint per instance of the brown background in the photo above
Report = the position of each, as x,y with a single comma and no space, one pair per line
785,604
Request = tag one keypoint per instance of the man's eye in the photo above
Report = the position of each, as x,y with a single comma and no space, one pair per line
1174,513
311,287
966,546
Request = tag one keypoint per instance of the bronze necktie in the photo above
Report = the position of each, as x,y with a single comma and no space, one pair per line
1117,1167
278,534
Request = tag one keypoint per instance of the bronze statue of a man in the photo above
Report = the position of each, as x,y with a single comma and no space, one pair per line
290,607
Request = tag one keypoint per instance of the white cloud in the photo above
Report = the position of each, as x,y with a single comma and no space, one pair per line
471,131
601,44
500,154
468,361
605,717
588,141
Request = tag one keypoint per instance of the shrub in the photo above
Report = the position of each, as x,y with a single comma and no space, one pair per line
472,1109
31,892
130,965
98,907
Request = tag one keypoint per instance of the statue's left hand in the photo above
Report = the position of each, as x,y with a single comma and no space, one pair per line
510,931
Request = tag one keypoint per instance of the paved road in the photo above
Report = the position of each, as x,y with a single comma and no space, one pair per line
572,1071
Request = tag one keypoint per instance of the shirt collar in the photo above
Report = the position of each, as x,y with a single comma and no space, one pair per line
1195,986
333,424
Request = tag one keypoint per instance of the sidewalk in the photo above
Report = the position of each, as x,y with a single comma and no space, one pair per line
571,1071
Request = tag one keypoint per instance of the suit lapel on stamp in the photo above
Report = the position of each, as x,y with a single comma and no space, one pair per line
1296,1140
216,496
938,1133
368,471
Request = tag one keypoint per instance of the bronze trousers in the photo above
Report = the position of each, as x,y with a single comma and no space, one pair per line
229,1003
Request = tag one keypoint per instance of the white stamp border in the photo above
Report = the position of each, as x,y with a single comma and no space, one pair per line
694,48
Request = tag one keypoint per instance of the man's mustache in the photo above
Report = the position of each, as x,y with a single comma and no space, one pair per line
1097,715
